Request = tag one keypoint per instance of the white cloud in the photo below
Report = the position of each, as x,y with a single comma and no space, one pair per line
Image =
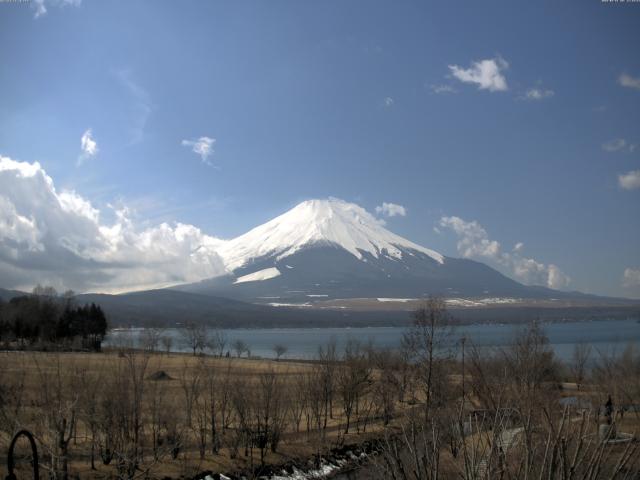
474,242
614,145
628,81
391,210
538,94
88,146
442,88
388,102
203,146
40,6
18,228
556,278
59,238
617,145
629,180
631,277
487,74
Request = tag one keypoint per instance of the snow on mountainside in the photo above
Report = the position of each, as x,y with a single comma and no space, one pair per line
260,275
331,222
323,250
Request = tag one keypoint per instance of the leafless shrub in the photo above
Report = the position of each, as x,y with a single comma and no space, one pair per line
195,337
579,362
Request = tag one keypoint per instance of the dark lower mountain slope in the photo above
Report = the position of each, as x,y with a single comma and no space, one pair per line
174,308
328,272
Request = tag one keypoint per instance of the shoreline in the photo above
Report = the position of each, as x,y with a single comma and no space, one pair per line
407,324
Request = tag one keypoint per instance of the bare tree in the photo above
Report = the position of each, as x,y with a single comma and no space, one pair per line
327,362
125,417
167,342
531,367
298,398
217,342
12,393
269,412
59,403
579,361
388,383
213,398
90,387
353,377
428,342
279,350
156,405
240,347
190,382
150,339
195,337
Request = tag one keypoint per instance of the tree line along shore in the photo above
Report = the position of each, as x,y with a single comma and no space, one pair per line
45,320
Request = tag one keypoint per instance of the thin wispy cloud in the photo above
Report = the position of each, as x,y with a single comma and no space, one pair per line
40,6
441,89
486,74
88,147
389,209
474,242
629,180
141,105
538,94
619,145
388,102
628,81
202,146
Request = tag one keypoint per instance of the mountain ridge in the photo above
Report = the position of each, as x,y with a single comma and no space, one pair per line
336,249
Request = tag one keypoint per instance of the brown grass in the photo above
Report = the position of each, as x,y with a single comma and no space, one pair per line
32,367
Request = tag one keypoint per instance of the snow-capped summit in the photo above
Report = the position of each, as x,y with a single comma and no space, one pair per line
331,222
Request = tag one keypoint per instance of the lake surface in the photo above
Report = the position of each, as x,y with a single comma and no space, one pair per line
608,336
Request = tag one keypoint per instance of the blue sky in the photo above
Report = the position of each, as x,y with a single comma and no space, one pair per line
522,117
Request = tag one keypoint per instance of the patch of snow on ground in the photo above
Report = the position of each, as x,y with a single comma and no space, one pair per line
274,304
465,302
493,300
462,302
322,472
313,296
403,300
259,276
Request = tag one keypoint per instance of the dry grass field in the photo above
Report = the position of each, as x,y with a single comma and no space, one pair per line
176,396
130,414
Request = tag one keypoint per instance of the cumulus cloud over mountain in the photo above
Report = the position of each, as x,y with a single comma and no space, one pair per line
60,238
474,242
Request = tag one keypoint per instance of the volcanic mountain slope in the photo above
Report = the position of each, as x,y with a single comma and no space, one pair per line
323,249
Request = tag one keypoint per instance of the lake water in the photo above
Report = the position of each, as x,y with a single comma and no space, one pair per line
302,343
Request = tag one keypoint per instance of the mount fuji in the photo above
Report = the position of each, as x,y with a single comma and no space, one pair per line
331,249
331,263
